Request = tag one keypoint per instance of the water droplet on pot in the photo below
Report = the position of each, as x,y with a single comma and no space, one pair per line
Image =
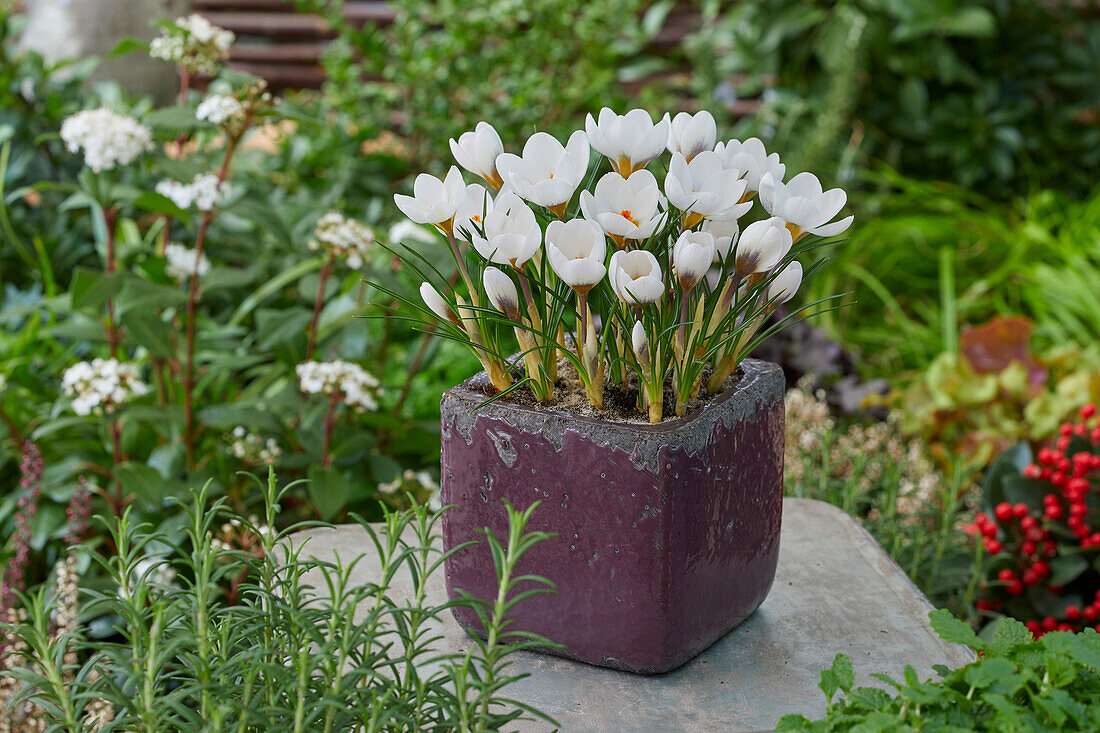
545,494
633,524
572,547
603,475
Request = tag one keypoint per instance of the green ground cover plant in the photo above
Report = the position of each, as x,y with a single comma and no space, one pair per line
1017,682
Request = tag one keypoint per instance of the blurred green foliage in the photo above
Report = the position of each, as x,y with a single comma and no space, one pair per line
999,96
445,65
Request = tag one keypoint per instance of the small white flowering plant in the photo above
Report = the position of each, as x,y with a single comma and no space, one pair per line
644,253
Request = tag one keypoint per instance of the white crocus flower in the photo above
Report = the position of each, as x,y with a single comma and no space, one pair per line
704,187
629,141
692,256
752,160
690,134
576,251
437,303
477,152
625,208
762,246
470,216
502,292
636,277
725,233
433,201
548,173
512,235
803,205
783,287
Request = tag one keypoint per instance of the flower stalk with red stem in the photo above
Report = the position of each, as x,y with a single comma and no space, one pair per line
318,302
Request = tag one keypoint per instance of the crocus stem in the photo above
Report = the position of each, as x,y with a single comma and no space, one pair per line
330,423
192,302
582,332
319,301
681,335
462,266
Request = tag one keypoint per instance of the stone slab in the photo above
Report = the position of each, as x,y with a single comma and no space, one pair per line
836,590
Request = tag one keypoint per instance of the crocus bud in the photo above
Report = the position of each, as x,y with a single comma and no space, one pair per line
692,256
501,292
762,246
640,343
437,303
785,284
477,152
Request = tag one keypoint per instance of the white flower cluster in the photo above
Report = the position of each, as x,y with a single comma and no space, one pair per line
204,192
343,237
351,381
107,138
219,109
194,43
182,262
418,482
252,448
100,385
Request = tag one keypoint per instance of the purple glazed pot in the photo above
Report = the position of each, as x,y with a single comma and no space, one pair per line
668,535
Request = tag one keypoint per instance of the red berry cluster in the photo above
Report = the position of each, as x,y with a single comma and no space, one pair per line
1028,538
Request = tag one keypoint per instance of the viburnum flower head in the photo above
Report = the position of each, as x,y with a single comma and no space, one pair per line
354,384
470,216
803,205
690,134
576,251
217,109
705,188
434,201
182,262
342,237
762,246
204,192
100,385
629,141
501,292
512,234
752,160
692,256
635,277
625,208
106,138
548,172
194,43
477,152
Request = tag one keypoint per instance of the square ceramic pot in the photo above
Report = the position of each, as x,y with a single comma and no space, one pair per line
667,535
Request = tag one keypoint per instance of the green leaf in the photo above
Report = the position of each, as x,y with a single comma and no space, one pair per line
988,672
953,630
128,44
1009,635
871,698
147,329
172,119
93,288
845,675
142,482
1009,463
1020,489
328,489
1064,569
159,204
